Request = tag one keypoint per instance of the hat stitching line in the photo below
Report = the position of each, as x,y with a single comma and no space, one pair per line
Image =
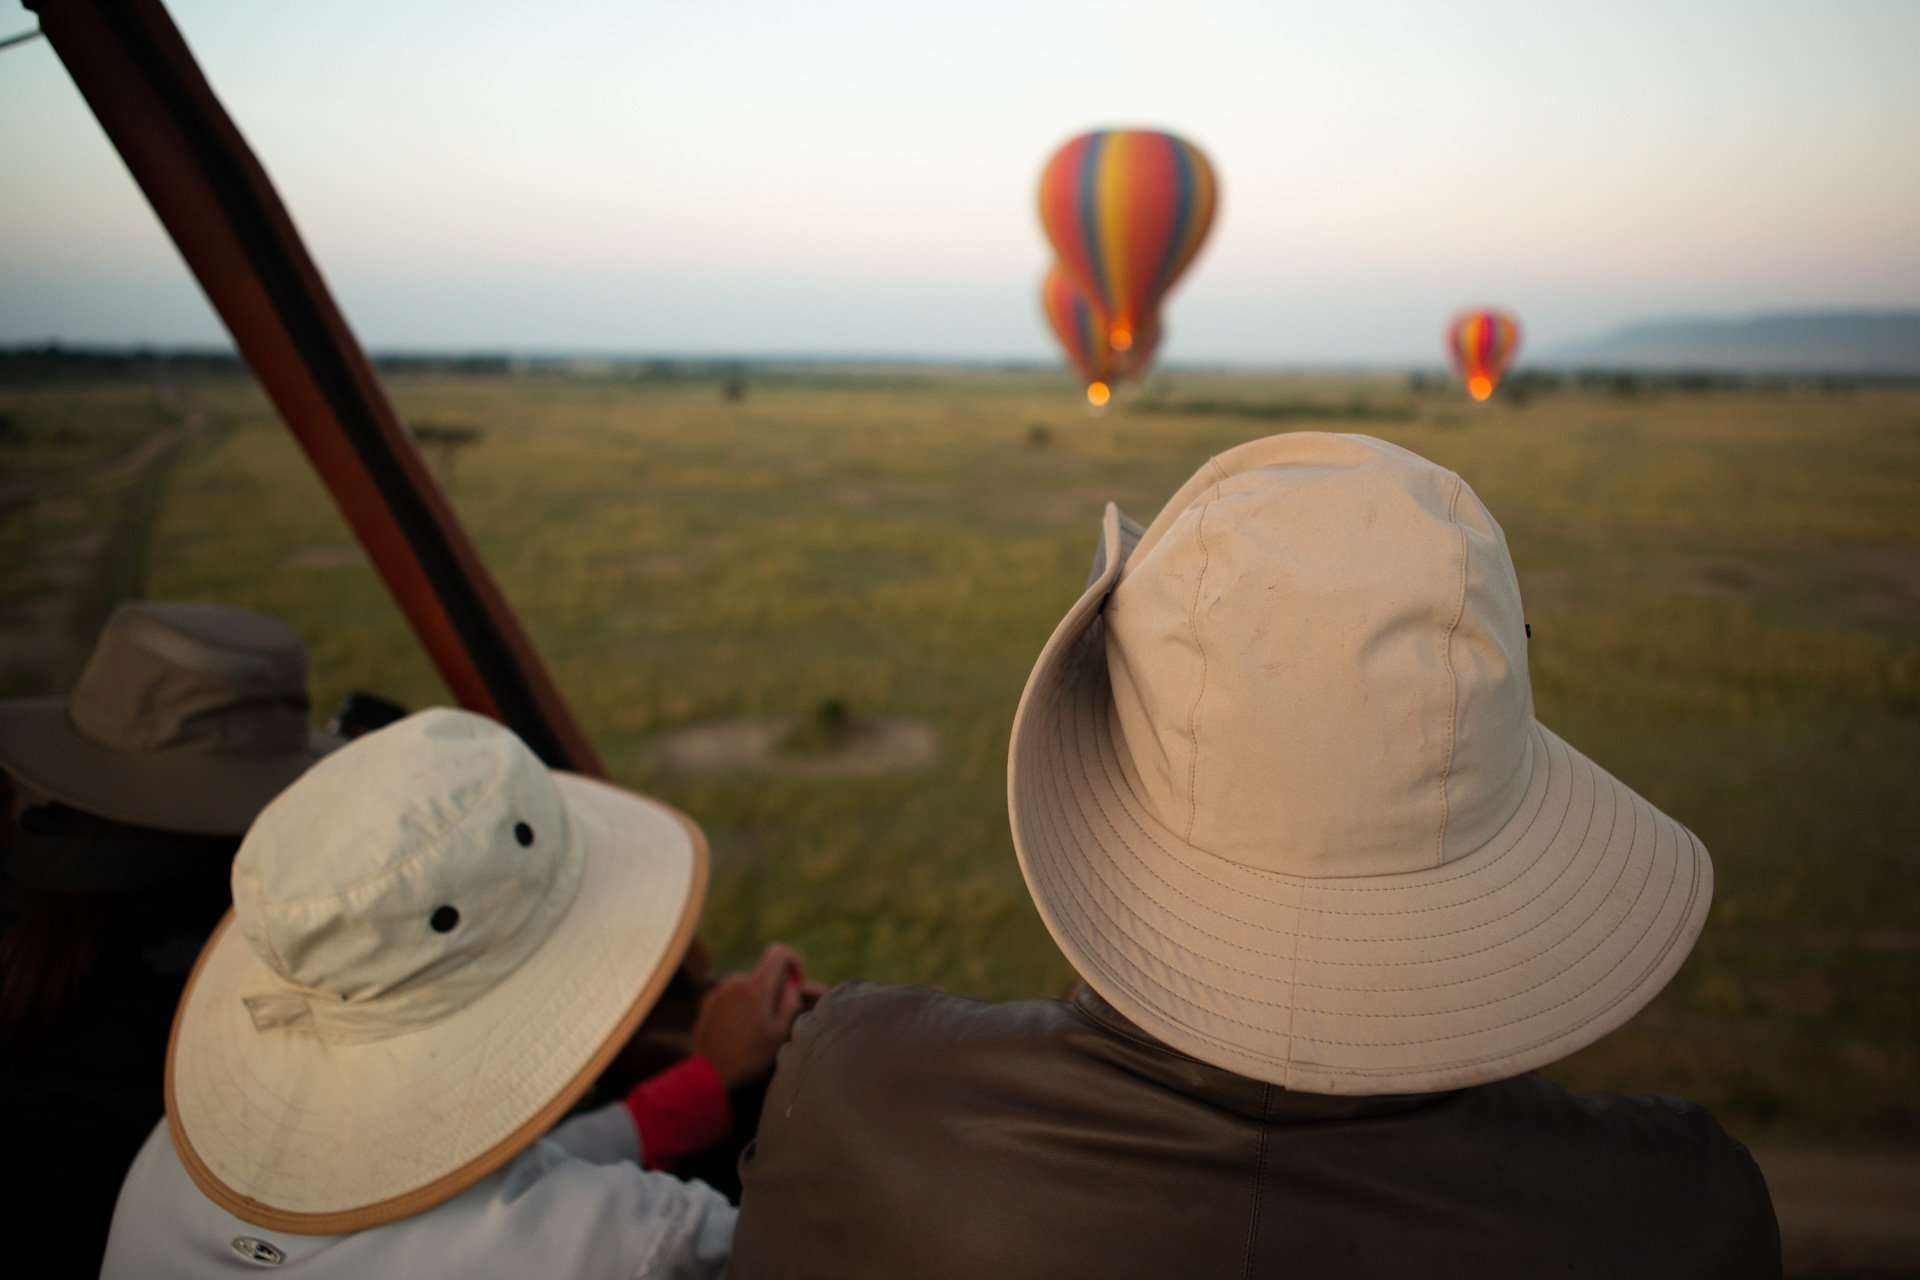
1106,767
1070,902
1500,1026
1300,911
1421,911
1100,961
224,1069
1555,881
1333,885
1048,871
1099,848
1290,1065
1293,990
1193,629
1611,969
1298,908
1057,695
1453,679
1564,969
1251,924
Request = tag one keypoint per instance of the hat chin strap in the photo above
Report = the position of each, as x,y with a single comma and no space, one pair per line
279,1009
344,1021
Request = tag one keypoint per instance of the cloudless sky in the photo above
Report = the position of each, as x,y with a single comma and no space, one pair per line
848,177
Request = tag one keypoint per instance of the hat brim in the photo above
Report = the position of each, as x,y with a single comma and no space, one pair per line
1549,936
295,1133
212,795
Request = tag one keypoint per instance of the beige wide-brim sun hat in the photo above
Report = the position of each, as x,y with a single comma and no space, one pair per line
201,794
1460,958
186,718
326,1133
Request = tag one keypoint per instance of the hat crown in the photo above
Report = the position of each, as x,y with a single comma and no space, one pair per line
1318,662
407,873
195,678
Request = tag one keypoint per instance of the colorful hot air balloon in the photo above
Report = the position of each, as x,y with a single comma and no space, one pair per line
1127,209
1482,343
1082,329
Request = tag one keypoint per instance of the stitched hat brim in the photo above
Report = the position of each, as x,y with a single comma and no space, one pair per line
1549,936
201,794
296,1133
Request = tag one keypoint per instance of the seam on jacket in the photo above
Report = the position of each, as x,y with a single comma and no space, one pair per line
1453,681
1259,1179
1193,712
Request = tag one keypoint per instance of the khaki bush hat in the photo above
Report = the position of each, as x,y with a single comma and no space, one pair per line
1279,793
436,945
187,717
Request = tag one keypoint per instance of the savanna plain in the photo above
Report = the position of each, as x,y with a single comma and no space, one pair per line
1723,586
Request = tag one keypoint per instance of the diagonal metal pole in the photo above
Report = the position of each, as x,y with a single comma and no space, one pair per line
214,198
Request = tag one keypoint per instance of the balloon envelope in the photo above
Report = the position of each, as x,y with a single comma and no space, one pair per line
1082,327
1482,343
1127,210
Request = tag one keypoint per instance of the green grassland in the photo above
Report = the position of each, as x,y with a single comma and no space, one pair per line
1724,588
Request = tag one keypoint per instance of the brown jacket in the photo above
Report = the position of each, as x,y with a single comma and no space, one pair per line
909,1133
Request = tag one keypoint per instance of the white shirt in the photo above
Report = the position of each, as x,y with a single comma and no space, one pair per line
574,1204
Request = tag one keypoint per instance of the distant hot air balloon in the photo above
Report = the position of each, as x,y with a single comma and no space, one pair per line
1082,329
1482,343
1127,209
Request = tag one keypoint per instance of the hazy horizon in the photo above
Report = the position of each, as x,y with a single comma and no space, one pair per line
855,180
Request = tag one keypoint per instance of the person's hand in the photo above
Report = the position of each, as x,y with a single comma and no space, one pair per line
747,1016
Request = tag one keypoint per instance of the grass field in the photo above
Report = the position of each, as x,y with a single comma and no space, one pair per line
1724,589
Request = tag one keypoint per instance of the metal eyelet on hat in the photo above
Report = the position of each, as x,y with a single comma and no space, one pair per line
258,1251
444,919
523,833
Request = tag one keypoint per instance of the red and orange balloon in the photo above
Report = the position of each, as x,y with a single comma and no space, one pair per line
1127,210
1082,329
1483,343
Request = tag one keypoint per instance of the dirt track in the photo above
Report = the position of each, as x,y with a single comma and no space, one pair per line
1845,1211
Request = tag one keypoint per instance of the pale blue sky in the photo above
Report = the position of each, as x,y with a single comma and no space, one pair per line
839,177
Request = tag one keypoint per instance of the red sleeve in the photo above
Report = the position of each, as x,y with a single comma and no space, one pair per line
679,1111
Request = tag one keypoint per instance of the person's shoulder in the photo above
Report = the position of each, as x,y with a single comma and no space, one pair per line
1662,1143
1630,1121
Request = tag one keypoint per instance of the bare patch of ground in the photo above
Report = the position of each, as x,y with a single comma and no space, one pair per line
778,747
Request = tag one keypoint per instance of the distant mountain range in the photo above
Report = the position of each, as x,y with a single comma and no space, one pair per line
1869,343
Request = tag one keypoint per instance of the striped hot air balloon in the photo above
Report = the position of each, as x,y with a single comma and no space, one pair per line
1082,331
1482,343
1082,327
1127,209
